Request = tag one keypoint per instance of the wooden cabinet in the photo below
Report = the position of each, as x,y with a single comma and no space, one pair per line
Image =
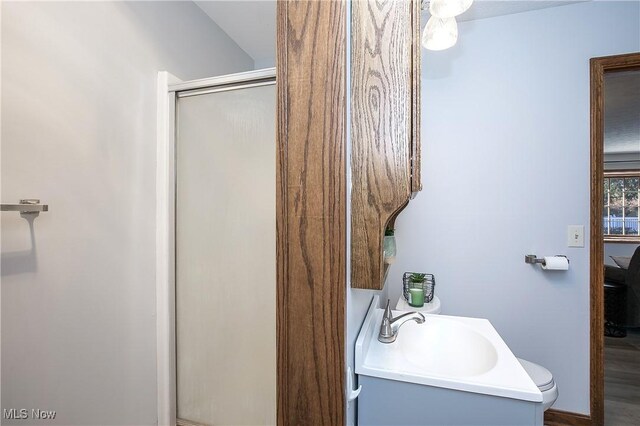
385,127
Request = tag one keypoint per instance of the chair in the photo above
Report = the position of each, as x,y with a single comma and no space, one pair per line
633,291
622,297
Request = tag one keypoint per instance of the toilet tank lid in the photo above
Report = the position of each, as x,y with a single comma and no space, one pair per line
540,375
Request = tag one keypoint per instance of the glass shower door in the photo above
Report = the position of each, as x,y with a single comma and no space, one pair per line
225,256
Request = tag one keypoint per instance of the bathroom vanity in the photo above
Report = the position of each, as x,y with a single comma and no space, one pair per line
448,370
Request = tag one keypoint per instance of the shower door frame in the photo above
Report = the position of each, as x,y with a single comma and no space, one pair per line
168,88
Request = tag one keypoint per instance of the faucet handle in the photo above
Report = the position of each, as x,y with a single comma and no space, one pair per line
387,311
386,332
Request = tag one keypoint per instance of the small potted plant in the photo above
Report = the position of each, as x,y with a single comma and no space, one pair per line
416,289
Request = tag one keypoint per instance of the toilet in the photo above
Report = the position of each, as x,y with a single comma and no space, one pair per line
540,375
543,380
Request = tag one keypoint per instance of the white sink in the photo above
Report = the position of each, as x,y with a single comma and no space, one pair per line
443,347
459,353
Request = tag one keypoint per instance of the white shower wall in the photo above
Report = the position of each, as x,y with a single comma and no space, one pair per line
79,132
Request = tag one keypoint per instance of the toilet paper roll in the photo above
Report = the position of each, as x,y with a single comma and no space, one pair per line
556,263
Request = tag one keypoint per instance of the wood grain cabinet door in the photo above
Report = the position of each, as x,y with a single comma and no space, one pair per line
385,121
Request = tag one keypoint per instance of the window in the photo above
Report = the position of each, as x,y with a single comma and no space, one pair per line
621,208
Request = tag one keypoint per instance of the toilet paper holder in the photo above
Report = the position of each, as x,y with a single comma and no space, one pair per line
533,259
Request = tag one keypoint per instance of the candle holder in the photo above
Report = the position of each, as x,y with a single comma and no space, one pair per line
426,281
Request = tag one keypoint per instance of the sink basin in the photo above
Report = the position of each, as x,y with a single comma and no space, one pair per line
458,353
443,347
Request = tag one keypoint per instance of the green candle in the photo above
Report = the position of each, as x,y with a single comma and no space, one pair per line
416,296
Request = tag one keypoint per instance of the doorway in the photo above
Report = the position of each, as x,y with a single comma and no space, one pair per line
615,267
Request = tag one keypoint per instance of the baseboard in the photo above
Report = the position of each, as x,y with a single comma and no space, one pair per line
565,418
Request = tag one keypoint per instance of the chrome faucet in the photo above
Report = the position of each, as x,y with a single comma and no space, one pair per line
390,326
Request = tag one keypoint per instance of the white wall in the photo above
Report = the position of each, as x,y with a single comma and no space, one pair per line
628,161
505,169
78,131
617,249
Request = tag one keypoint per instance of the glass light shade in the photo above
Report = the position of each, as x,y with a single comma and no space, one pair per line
448,8
440,34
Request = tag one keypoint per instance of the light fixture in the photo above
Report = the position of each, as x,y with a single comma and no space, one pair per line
448,8
440,34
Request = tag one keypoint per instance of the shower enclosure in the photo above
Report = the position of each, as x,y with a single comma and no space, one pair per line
225,262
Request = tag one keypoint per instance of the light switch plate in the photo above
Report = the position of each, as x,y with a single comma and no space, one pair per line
575,236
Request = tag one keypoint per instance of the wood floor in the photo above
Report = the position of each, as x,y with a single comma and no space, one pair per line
622,380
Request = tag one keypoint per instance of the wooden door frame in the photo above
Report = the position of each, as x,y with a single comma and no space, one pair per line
311,211
600,66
